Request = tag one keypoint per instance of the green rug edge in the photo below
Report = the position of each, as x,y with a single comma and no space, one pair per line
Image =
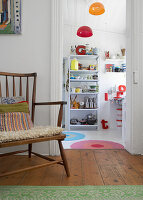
109,192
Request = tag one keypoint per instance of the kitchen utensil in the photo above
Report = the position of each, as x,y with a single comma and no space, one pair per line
91,119
73,121
83,121
81,105
92,86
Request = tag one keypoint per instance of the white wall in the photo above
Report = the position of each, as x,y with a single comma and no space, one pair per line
113,20
109,32
30,52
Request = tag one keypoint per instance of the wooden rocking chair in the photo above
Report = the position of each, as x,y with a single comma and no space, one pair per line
60,137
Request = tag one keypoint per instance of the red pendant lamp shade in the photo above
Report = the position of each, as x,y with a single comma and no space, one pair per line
96,9
84,31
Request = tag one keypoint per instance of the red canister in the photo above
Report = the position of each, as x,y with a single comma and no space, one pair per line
106,96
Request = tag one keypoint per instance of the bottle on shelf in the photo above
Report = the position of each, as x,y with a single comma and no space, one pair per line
86,103
91,103
94,103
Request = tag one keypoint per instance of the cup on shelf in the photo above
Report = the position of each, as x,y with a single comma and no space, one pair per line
81,105
78,90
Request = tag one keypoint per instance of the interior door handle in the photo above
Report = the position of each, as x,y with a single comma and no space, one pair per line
135,77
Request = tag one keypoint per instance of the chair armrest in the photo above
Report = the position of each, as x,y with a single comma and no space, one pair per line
50,103
61,103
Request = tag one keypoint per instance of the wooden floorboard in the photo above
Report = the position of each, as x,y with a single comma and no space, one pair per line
108,168
75,166
90,170
87,167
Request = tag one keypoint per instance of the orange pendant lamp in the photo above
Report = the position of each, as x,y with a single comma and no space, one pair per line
96,8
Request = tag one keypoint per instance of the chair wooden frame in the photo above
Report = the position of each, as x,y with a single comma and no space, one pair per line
59,137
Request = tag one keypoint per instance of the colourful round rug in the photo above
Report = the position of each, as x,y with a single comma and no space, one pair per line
96,144
70,136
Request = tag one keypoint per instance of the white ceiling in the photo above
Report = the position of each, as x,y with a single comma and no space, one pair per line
76,13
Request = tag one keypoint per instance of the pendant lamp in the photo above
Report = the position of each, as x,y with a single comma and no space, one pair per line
84,31
96,8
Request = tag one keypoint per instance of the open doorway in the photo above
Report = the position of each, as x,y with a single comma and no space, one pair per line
109,41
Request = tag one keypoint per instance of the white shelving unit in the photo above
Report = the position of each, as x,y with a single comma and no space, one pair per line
81,113
115,62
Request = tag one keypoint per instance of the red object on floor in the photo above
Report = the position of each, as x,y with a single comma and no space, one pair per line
106,96
104,126
82,48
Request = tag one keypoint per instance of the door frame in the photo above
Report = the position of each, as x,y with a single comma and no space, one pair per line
58,16
129,129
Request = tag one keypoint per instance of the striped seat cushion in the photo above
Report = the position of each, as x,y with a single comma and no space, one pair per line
15,121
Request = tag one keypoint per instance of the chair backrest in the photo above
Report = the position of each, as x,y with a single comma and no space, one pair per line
4,85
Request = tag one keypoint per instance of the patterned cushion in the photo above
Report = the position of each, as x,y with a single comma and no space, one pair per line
17,107
10,100
34,132
15,121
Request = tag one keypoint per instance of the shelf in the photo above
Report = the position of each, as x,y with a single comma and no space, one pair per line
115,72
74,80
115,60
84,109
84,57
88,71
84,93
84,125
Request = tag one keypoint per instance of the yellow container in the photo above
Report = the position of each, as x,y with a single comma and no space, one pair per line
74,64
77,90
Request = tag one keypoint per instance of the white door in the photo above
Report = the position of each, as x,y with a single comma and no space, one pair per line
134,115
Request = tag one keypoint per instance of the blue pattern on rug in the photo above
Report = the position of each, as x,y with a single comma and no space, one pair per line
70,136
